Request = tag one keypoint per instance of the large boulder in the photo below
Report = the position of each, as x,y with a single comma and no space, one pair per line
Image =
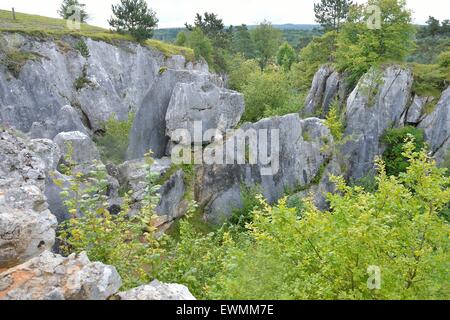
437,128
172,204
78,146
27,227
157,291
327,85
205,103
53,277
304,152
378,102
149,127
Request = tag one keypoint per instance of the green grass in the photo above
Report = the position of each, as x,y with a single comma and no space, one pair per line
14,60
44,27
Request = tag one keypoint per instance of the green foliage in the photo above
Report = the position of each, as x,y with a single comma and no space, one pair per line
430,80
331,14
327,255
396,162
135,18
127,243
82,81
444,59
286,56
70,9
335,122
201,45
239,71
113,143
267,40
82,47
360,47
242,42
318,52
265,91
181,39
242,216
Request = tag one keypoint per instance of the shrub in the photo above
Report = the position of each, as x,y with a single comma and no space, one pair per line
430,80
334,122
329,255
113,144
127,243
239,71
265,91
82,47
394,139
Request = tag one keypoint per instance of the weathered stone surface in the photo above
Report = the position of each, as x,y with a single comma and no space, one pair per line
84,149
157,291
215,108
437,128
46,84
149,127
48,151
304,152
172,193
324,89
53,277
378,102
415,111
27,227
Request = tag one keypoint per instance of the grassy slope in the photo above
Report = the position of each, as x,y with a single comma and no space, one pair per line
50,27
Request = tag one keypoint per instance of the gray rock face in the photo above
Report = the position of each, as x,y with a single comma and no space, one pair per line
437,128
84,149
378,102
172,193
49,153
205,103
157,291
117,85
27,227
415,112
53,277
326,86
303,154
149,127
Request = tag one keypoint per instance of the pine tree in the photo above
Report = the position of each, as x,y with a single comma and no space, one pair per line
331,14
134,17
68,9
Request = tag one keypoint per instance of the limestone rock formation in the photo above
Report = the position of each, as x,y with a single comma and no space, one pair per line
27,227
78,146
204,103
53,277
304,153
157,291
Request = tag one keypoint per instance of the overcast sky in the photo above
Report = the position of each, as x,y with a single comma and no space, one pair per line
174,13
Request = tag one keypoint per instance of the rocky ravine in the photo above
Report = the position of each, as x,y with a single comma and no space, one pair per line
167,94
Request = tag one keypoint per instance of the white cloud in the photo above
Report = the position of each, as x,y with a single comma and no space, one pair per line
174,13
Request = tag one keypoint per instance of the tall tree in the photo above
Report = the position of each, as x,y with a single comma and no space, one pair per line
445,27
134,17
69,8
433,26
212,27
267,39
242,42
286,56
331,14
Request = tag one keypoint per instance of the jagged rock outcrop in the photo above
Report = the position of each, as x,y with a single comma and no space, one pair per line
53,277
215,108
157,291
172,192
327,85
78,146
47,82
27,227
149,127
378,102
437,128
304,153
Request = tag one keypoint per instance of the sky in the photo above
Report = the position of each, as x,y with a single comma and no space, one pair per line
174,13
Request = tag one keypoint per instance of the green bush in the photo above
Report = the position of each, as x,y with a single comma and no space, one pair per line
334,121
430,79
82,47
113,143
394,139
127,243
265,91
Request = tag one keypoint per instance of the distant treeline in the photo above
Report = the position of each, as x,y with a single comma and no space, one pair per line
297,35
